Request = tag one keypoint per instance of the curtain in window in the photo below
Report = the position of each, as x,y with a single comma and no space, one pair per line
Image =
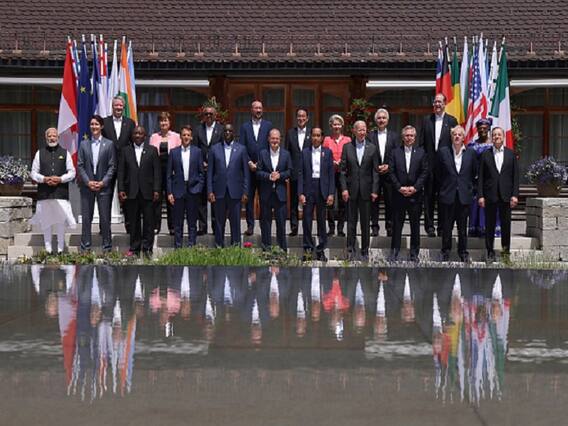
15,134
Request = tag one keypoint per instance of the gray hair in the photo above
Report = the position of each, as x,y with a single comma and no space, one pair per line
358,123
382,110
336,117
49,129
408,127
119,98
456,129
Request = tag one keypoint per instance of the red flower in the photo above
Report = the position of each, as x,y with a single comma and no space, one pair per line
247,244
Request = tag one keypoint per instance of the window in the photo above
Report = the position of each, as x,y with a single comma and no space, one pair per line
15,134
531,126
559,137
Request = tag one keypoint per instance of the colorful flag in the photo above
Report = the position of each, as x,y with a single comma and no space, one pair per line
493,73
95,78
126,89
446,88
439,62
84,99
501,105
477,107
113,85
454,106
464,81
67,118
102,85
132,82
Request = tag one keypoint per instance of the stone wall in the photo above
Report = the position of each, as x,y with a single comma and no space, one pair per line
15,213
547,220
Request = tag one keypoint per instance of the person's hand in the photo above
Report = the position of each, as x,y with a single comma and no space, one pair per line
99,185
345,195
204,166
374,196
329,200
412,190
404,191
92,185
514,202
481,202
171,199
252,166
47,180
155,196
122,196
55,180
211,197
383,168
244,199
302,199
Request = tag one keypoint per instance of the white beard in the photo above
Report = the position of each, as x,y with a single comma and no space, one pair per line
52,144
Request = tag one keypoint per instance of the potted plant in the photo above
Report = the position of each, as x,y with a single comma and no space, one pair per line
548,175
13,173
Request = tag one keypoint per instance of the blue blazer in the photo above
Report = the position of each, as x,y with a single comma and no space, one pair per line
264,168
451,181
327,173
174,173
235,178
254,146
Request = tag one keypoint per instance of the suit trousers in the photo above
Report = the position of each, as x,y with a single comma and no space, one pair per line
104,201
141,213
358,209
455,213
431,190
491,221
338,212
294,204
186,208
202,213
231,208
402,206
158,205
385,190
280,210
253,185
314,200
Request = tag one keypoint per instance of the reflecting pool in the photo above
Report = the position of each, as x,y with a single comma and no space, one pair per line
179,345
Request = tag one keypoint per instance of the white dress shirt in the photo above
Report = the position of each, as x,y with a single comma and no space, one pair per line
185,162
256,128
274,157
228,150
117,125
407,157
138,152
316,162
209,132
458,158
360,150
438,130
301,138
95,149
382,139
498,155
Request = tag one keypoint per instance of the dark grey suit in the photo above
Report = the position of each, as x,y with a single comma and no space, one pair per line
105,172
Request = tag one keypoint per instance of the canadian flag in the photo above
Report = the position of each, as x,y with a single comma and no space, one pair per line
67,120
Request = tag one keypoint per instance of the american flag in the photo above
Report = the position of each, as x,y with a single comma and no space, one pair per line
477,108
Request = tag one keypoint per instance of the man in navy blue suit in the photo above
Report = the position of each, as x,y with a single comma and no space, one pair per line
228,178
254,136
185,181
316,187
457,169
273,170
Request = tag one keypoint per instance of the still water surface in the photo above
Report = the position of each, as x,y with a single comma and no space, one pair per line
177,345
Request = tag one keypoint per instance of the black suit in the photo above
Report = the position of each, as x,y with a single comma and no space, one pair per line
427,141
140,182
292,145
200,140
456,195
497,188
385,187
360,180
416,177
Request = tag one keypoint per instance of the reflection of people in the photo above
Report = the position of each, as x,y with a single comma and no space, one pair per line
52,169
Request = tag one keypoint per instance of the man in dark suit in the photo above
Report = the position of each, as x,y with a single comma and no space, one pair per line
385,140
316,188
359,186
139,186
185,182
408,172
434,134
498,189
207,134
297,138
228,179
96,166
254,136
457,167
274,169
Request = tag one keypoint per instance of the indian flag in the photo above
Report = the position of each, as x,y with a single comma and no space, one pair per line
126,82
501,105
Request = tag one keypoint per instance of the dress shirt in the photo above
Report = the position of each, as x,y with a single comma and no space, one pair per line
209,132
95,148
256,128
316,162
382,139
67,177
458,158
301,138
438,130
360,149
185,162
498,155
407,157
138,152
117,125
274,156
228,150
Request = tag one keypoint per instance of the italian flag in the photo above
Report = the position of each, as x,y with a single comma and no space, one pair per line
126,81
501,105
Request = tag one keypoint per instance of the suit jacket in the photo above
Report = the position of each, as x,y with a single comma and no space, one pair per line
393,141
106,165
361,180
201,137
327,173
174,172
234,178
146,178
264,169
428,134
495,186
292,145
416,175
254,146
125,133
451,181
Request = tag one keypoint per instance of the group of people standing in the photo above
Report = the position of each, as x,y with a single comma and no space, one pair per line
335,178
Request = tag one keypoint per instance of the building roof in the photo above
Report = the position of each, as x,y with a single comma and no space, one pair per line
220,34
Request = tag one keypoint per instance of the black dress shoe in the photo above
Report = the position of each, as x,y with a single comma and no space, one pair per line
490,256
364,257
431,233
249,232
330,232
413,258
389,233
465,258
393,257
340,234
201,232
375,232
445,257
172,232
321,257
293,232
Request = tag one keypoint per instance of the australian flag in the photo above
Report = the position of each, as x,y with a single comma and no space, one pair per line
84,99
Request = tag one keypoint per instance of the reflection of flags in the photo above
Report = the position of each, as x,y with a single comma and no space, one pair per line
84,99
501,105
126,81
67,119
335,298
67,314
128,358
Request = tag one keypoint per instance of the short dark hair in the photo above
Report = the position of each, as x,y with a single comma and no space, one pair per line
186,127
99,119
164,115
301,108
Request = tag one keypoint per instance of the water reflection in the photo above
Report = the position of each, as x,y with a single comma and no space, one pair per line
108,317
